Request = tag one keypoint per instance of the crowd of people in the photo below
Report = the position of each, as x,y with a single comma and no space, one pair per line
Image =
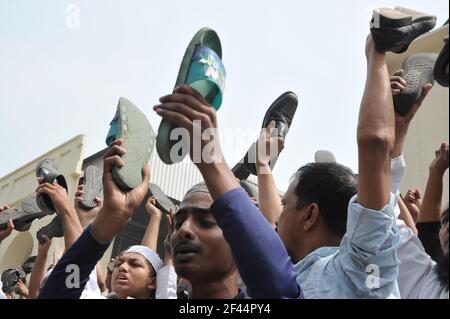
333,234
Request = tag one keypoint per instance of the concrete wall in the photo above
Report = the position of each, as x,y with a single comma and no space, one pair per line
17,185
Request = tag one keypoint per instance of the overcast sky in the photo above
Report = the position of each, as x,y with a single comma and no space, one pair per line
61,76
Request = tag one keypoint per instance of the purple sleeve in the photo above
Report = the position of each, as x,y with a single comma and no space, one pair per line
258,251
84,255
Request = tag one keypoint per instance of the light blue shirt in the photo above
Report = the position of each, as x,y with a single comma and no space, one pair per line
364,266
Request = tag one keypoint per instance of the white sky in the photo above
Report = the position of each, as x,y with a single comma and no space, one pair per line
57,82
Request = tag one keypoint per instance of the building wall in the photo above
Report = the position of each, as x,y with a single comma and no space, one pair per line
21,183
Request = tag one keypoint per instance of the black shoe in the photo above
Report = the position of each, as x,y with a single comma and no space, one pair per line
393,30
22,216
418,72
441,68
53,229
49,173
281,111
164,203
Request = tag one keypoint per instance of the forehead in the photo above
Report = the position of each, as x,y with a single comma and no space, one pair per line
196,200
131,256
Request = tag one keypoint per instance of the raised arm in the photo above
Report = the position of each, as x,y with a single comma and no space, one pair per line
84,254
269,199
376,132
150,238
39,267
431,207
69,218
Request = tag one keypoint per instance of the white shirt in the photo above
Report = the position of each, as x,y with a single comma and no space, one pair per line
166,283
92,290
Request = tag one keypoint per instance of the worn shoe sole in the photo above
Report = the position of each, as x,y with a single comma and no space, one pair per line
139,141
52,230
418,72
163,203
93,187
23,216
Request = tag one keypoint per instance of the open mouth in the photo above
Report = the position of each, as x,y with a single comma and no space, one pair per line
121,279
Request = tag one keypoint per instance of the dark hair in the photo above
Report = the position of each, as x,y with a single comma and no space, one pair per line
330,186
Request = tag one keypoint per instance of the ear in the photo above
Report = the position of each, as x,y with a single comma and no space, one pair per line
152,284
310,216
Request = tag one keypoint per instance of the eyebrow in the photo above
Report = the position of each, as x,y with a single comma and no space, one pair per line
195,210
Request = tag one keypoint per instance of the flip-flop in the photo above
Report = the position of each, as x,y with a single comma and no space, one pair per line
93,187
48,172
323,156
418,72
441,71
138,136
393,30
164,203
281,111
201,69
24,215
51,230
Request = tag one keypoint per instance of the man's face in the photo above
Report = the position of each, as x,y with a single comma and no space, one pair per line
288,228
200,252
132,276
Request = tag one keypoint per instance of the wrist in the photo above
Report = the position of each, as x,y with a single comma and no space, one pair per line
42,255
263,169
437,171
66,210
156,216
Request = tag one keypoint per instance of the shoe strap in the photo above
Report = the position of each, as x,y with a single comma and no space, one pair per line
207,75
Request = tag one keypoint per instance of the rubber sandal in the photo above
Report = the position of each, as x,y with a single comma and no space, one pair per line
323,156
282,111
138,139
48,172
418,72
93,187
23,215
441,72
393,30
51,230
202,69
164,203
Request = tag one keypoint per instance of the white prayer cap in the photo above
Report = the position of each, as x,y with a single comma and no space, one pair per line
149,254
